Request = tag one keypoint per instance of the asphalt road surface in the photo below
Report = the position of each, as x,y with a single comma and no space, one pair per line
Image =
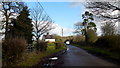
78,57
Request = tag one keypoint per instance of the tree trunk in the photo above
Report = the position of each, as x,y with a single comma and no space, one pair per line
6,29
86,38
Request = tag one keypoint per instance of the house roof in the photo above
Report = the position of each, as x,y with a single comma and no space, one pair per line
48,37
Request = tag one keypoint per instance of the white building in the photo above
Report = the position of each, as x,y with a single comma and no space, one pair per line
48,38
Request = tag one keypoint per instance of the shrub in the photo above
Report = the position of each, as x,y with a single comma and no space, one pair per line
41,46
110,42
78,39
58,45
51,44
12,50
91,36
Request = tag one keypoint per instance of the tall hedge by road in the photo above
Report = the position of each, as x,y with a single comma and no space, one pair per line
12,50
91,36
41,46
110,42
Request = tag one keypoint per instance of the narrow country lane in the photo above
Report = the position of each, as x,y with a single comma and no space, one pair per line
78,57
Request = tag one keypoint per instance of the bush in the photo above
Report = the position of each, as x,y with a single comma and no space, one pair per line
78,39
58,45
110,42
51,44
12,50
91,36
41,46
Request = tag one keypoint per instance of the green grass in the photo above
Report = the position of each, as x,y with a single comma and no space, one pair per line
51,44
33,58
106,53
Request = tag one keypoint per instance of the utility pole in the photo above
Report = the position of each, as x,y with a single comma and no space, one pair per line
62,34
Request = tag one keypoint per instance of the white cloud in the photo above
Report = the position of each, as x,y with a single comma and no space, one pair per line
1,36
99,32
75,4
116,12
58,30
118,27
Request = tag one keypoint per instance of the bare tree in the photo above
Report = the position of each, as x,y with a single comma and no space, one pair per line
8,11
108,28
42,23
78,28
106,11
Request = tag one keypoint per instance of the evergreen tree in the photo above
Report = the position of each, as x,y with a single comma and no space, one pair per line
22,26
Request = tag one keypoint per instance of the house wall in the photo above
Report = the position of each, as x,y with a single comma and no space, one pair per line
50,40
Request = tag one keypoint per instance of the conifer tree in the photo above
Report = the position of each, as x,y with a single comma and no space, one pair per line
22,26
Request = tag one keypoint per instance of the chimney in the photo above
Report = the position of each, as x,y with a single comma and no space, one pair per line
48,33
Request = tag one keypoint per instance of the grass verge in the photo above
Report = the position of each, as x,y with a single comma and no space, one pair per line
100,52
31,59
